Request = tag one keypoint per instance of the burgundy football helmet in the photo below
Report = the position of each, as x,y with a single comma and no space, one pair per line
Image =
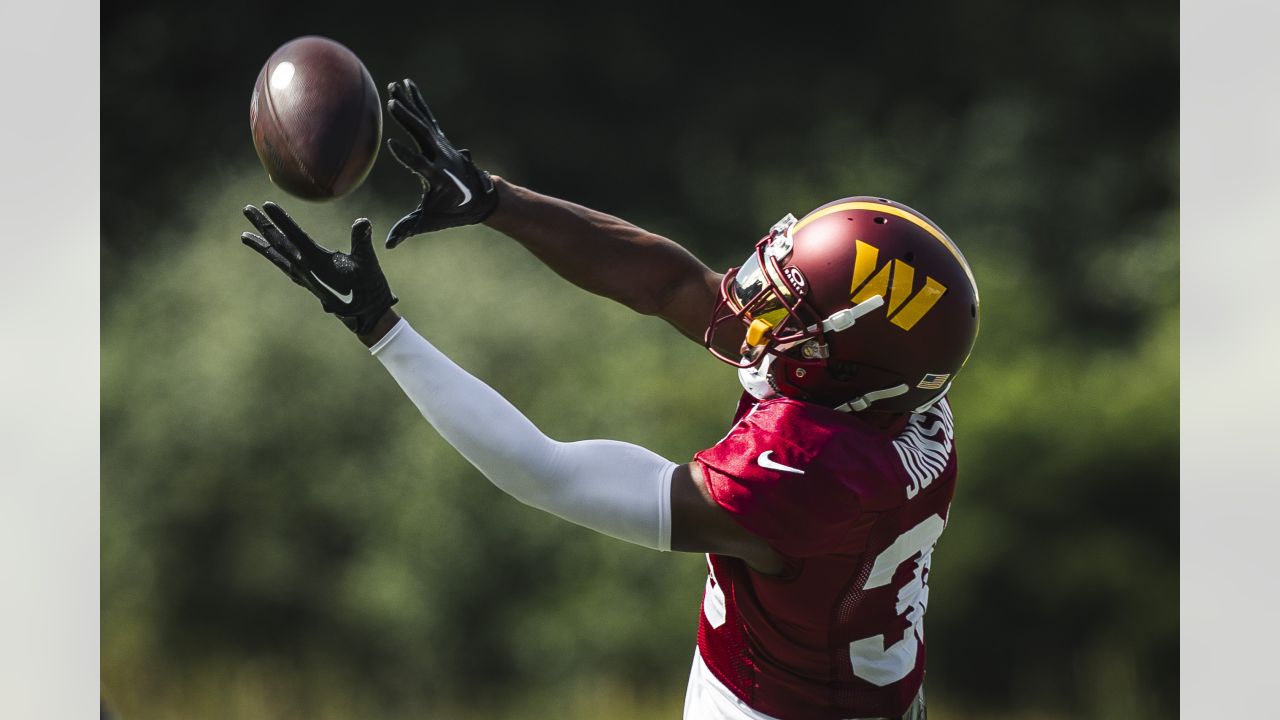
862,304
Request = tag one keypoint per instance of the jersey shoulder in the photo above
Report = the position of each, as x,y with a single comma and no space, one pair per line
802,476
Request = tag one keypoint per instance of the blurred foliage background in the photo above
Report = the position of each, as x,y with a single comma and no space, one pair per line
283,536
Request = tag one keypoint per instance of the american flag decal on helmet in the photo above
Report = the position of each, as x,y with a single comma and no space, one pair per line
933,381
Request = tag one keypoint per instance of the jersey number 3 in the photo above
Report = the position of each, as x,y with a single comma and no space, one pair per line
872,661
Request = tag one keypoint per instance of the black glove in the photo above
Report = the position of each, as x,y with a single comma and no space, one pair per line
349,286
454,191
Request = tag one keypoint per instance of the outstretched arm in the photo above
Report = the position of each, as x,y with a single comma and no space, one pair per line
615,488
593,250
610,257
612,487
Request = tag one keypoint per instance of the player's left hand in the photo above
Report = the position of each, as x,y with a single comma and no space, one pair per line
352,287
454,191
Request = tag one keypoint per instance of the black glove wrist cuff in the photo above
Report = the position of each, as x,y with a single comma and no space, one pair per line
493,196
363,321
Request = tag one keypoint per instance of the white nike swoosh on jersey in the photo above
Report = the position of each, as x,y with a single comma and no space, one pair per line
466,194
764,462
346,299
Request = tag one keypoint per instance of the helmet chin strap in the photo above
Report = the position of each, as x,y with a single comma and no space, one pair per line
844,319
859,404
755,380
863,402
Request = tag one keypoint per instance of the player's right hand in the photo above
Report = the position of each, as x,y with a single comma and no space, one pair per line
352,287
454,191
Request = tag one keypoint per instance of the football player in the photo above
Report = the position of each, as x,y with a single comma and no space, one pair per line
818,511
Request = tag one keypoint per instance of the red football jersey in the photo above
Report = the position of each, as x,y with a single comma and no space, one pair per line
856,511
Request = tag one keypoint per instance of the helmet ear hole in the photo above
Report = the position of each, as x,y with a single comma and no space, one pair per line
842,371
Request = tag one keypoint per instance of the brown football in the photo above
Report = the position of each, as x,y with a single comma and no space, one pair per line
316,118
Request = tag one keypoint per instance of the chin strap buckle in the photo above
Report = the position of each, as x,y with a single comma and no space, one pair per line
844,319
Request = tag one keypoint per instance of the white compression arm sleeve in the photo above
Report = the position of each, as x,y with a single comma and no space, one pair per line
612,487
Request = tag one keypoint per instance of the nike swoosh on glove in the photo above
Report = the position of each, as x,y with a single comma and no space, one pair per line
454,191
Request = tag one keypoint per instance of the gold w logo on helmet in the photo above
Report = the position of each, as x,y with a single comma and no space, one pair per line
893,282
